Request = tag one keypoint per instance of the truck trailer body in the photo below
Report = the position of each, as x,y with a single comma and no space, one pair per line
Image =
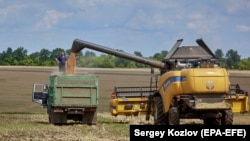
69,97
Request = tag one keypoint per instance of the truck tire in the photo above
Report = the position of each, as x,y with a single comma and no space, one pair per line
49,118
173,116
57,118
48,112
90,118
227,118
159,116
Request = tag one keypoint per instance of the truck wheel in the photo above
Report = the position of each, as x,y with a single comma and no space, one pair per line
48,112
159,116
173,116
227,118
57,118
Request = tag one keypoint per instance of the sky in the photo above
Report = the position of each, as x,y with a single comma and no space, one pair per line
146,26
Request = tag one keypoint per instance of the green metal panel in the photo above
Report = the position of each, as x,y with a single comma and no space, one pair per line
74,90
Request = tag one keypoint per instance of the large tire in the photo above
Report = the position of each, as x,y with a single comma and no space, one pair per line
159,116
227,118
57,118
173,116
49,114
90,118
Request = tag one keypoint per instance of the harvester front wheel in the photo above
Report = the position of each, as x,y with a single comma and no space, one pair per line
227,118
173,116
159,116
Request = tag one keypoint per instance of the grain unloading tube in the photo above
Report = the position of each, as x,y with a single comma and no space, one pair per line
78,45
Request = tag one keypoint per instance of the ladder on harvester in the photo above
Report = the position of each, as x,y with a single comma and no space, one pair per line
153,88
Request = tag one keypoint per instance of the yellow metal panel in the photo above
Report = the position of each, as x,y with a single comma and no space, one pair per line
118,106
169,85
168,94
210,85
239,103
205,80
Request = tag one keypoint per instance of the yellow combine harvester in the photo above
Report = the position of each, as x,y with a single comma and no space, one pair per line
190,85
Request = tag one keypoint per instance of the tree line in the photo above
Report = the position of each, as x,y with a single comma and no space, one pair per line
45,57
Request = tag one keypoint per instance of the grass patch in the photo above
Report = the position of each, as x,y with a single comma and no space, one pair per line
29,126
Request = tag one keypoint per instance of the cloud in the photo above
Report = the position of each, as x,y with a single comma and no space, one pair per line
131,25
50,19
199,22
88,4
243,28
11,10
238,5
3,15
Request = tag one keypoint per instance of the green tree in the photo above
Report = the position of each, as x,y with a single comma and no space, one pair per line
45,56
106,61
160,56
67,52
137,65
137,53
89,54
121,62
35,57
6,57
19,54
26,61
220,55
244,64
232,59
89,59
56,52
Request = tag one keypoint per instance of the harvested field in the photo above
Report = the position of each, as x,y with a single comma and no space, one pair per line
21,119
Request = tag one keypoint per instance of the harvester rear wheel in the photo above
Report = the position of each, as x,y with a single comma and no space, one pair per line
159,116
173,116
227,118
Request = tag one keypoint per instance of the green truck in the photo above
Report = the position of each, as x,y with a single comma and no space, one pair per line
69,98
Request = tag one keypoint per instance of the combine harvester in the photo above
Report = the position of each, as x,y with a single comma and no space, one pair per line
190,85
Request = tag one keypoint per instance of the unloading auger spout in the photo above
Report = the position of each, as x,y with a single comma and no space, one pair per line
78,45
